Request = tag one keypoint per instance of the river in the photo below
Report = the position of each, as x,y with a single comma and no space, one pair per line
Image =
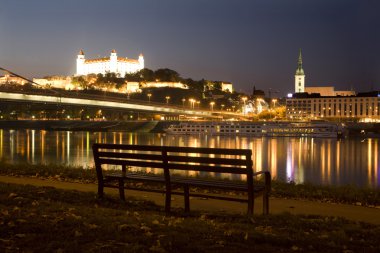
318,161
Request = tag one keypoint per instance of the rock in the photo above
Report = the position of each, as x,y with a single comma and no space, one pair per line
12,195
92,226
78,233
145,228
122,227
295,248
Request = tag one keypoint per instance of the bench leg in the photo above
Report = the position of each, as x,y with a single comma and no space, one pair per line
251,203
100,189
168,199
121,189
186,197
266,203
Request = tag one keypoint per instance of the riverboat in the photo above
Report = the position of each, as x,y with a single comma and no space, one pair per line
270,129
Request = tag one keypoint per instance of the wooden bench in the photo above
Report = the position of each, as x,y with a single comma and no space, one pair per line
172,167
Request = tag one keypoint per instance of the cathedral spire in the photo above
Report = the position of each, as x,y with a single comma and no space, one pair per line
299,70
300,76
300,59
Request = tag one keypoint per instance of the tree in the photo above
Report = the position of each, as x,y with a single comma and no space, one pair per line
80,81
146,75
167,75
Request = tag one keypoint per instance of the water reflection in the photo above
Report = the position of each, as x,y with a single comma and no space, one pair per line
319,161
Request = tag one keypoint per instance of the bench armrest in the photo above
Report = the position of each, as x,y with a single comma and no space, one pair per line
259,173
267,178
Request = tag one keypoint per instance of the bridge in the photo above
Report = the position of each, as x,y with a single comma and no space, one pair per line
63,97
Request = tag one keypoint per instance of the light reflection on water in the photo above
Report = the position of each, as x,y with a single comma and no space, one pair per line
319,161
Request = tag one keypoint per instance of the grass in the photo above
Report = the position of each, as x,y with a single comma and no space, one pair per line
36,219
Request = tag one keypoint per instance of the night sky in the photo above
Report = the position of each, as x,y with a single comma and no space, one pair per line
247,42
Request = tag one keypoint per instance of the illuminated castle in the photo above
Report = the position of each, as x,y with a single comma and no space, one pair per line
112,64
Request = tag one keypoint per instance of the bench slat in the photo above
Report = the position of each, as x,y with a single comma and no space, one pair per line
218,151
98,146
206,160
135,156
145,164
207,168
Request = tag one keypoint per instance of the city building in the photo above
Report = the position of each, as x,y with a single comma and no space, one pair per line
60,82
227,87
300,87
112,64
10,79
178,85
329,91
299,78
363,106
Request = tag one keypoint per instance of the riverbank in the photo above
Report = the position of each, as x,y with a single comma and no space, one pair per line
81,125
49,208
45,215
354,129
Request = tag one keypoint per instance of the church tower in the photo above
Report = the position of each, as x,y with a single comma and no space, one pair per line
299,85
80,63
113,61
141,61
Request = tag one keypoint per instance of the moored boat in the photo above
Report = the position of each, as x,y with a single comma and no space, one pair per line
271,129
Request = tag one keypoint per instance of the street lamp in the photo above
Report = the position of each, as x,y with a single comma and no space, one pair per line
212,105
183,102
149,95
259,106
192,101
244,109
198,103
274,102
167,99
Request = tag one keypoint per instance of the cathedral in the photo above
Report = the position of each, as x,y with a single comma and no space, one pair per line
112,64
299,85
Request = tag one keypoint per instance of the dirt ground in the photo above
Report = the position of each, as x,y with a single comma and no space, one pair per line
277,205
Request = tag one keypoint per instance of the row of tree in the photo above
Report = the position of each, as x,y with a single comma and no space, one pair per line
144,75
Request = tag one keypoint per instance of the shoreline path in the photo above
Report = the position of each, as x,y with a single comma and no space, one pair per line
277,205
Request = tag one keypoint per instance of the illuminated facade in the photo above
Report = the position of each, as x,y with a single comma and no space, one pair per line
299,78
112,64
60,82
227,87
362,106
329,91
9,79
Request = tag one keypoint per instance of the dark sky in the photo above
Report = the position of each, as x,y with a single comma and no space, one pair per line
247,42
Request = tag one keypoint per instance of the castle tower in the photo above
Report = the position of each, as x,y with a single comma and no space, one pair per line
141,61
113,61
299,84
80,63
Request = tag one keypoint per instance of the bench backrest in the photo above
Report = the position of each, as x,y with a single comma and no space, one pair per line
233,161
